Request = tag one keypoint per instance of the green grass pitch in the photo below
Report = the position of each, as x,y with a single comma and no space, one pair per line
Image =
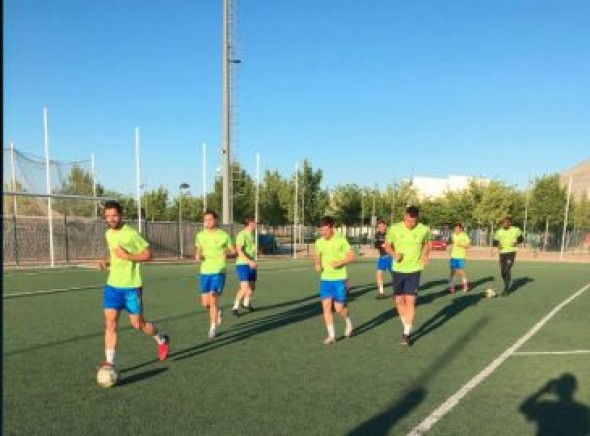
267,373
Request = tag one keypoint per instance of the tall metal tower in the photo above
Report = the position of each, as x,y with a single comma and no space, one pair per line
226,136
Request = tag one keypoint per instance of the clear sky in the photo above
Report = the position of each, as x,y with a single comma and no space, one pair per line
370,91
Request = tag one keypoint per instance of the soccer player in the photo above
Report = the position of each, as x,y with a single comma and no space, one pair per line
123,291
408,242
332,254
245,266
506,239
384,261
460,242
212,246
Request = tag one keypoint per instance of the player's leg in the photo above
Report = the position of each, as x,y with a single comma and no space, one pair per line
409,291
251,277
463,277
244,286
327,298
452,278
111,320
134,307
509,264
379,280
504,270
399,302
340,306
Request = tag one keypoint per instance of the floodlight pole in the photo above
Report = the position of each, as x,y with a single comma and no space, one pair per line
256,202
94,186
567,208
13,177
204,177
225,141
295,217
138,194
48,180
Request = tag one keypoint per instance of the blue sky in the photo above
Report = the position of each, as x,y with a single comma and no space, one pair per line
370,91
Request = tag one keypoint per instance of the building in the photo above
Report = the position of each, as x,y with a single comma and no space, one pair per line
580,179
432,187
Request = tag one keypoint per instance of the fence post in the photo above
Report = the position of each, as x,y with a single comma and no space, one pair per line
14,232
66,237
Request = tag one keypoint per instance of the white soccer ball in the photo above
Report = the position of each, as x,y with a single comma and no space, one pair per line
490,293
107,376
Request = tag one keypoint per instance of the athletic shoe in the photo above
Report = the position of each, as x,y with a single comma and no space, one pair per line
465,289
236,312
348,332
249,307
405,340
212,333
380,296
105,365
451,289
163,348
219,316
329,340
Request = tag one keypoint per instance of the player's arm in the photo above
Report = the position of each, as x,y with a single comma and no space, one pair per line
520,239
230,250
143,256
241,252
198,253
347,259
390,249
317,261
425,251
103,264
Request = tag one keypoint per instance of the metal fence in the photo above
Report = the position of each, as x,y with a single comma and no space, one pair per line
78,240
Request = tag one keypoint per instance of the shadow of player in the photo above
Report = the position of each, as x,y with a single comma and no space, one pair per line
560,415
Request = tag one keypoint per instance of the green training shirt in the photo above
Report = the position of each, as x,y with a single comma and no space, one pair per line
507,238
245,239
125,273
328,250
459,239
213,245
408,242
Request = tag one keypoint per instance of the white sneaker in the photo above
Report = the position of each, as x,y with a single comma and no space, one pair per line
219,319
330,340
212,333
348,331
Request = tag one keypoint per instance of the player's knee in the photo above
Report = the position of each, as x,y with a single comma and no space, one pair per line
137,324
110,326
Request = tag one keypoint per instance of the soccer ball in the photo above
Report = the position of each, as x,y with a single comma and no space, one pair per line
107,376
490,293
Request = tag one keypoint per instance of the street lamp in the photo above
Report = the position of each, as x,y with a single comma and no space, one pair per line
181,189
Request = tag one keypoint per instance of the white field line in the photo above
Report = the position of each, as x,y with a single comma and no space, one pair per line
454,399
550,353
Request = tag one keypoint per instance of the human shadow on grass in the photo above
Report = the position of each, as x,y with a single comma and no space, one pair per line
140,376
458,305
360,290
554,409
432,284
383,317
258,326
519,283
383,422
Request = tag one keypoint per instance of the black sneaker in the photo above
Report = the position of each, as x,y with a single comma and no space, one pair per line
405,340
236,312
250,308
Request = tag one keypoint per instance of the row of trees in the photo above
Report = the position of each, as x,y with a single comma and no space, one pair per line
480,205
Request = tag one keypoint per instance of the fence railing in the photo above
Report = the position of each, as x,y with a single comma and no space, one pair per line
78,240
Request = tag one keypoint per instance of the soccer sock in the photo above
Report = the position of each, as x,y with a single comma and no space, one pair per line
236,304
407,329
464,281
330,328
348,322
246,301
381,288
451,282
159,338
110,356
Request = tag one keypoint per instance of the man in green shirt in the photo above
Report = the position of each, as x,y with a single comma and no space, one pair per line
212,245
506,239
332,254
460,243
408,242
123,291
246,265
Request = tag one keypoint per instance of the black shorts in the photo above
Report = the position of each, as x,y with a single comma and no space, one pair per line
406,283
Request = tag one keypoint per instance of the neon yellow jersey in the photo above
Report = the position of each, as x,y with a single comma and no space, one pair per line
213,245
408,242
245,239
329,250
507,238
125,273
460,241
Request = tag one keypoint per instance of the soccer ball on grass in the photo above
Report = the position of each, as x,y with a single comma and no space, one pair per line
107,376
490,293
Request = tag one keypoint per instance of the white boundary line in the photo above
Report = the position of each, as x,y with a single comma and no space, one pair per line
543,353
51,291
454,399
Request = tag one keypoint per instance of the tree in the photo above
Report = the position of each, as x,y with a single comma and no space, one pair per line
496,202
156,205
547,205
312,197
274,199
78,182
346,204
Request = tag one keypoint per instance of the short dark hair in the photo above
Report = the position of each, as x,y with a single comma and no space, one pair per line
381,221
211,212
248,220
413,211
327,221
459,224
112,204
507,218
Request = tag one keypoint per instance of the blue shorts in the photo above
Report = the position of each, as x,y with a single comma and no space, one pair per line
385,263
246,273
122,298
212,283
457,263
333,289
406,283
